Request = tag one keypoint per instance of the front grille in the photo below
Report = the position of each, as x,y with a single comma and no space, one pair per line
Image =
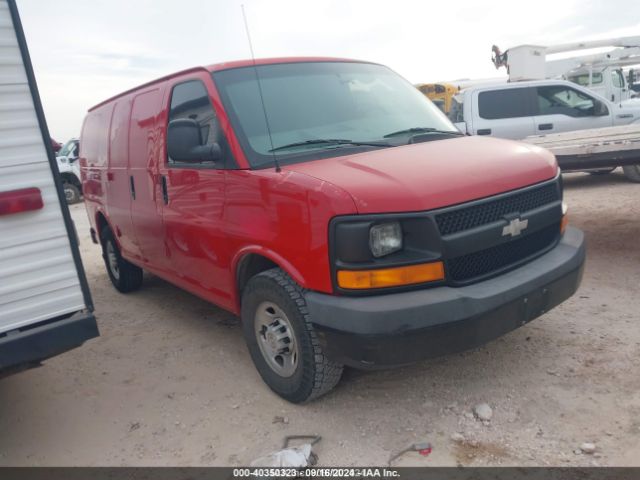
469,267
465,218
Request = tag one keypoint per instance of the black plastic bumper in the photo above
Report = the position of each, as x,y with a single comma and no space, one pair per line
47,339
401,328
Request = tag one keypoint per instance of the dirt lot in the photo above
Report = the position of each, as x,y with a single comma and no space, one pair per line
170,382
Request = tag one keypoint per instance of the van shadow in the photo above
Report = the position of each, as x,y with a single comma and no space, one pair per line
505,358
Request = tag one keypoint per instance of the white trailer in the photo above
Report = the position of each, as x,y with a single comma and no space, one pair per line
45,302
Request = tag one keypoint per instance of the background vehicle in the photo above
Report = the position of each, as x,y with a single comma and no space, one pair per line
355,226
69,169
56,146
45,303
440,94
600,72
519,109
546,107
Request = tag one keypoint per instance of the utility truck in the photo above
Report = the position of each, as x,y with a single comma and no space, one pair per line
600,72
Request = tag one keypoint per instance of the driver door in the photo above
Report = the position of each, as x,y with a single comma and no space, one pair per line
193,197
561,108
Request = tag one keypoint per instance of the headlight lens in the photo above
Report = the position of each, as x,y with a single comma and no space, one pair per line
385,238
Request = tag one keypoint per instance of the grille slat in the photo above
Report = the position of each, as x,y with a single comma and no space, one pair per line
465,218
466,268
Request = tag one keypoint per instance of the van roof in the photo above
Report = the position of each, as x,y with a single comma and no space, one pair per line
227,66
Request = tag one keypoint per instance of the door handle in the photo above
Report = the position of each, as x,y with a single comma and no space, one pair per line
484,131
165,192
132,187
625,115
545,126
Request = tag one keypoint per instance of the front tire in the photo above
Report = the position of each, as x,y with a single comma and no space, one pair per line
124,275
281,339
632,172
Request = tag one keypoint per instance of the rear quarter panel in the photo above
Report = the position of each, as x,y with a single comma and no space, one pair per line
94,151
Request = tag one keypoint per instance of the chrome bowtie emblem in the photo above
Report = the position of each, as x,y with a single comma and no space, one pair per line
515,227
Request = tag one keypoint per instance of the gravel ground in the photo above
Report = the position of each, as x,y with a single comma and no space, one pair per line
170,382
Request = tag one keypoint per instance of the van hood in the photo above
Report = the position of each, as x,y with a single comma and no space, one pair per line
435,174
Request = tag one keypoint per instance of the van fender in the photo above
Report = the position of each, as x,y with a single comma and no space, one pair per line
275,257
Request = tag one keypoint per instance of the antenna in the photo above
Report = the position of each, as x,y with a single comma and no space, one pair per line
264,110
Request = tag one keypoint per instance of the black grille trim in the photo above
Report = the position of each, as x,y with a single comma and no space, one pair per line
465,218
492,261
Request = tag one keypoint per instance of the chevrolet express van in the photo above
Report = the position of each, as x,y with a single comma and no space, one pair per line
332,207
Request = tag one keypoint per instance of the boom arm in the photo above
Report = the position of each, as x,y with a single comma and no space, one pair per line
529,62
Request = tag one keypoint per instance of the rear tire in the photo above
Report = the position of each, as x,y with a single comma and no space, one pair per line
71,193
632,172
124,275
281,339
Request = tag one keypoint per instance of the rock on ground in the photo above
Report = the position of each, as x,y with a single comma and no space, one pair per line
483,412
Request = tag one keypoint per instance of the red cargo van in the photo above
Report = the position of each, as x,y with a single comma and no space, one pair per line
330,205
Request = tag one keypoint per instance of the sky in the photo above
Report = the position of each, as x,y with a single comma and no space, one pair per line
86,51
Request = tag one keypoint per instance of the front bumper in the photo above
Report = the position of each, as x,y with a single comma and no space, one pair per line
401,328
31,345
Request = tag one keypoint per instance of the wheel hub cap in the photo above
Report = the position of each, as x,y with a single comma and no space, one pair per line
276,339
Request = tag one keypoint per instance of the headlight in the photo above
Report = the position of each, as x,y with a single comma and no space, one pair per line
385,238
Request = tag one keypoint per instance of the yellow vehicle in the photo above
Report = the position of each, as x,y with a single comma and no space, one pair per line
439,93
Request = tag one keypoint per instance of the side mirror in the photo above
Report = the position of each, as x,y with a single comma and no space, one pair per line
185,145
600,109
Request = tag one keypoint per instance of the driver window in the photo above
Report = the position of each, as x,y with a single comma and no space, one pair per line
616,79
190,100
561,100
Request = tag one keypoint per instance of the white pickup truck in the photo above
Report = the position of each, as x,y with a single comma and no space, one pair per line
518,110
69,169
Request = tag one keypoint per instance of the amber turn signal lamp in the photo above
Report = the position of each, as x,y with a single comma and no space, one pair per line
391,277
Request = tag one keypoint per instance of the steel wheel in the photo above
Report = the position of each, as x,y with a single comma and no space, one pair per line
113,261
276,339
68,193
281,339
71,193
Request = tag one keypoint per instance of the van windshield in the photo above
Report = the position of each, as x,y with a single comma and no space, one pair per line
306,103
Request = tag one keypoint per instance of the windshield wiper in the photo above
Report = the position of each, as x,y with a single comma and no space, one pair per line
418,130
329,142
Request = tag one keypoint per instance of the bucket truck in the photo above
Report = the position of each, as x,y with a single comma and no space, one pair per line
600,72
